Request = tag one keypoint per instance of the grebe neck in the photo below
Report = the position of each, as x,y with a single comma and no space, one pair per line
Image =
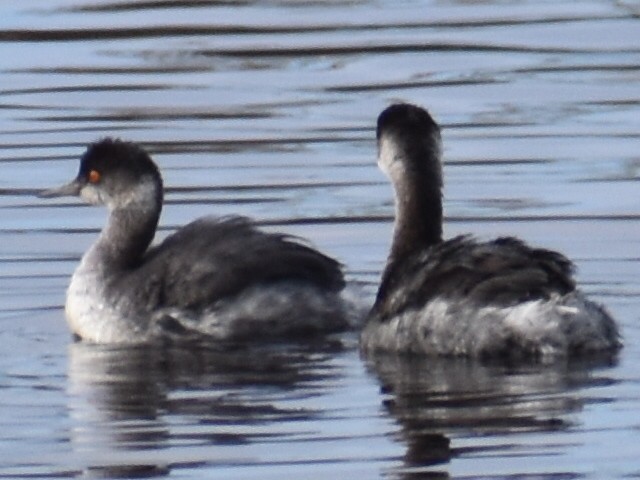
416,174
126,237
418,222
130,228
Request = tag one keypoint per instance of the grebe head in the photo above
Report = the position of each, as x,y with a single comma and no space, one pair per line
409,144
116,174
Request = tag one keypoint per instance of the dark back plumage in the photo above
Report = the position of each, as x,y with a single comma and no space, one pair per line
502,272
210,259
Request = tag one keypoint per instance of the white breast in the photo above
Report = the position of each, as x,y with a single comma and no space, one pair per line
91,315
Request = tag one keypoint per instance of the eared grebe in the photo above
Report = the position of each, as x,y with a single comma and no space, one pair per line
212,279
463,296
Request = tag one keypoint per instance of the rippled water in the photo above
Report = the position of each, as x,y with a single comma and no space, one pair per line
266,108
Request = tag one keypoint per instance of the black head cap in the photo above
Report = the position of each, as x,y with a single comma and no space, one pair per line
406,119
113,156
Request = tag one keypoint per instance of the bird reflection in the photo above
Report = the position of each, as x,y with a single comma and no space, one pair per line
130,405
436,401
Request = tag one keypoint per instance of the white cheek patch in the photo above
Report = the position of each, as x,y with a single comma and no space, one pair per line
142,197
385,155
92,195
143,191
389,158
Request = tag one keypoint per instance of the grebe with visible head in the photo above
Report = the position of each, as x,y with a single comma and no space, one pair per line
214,279
465,297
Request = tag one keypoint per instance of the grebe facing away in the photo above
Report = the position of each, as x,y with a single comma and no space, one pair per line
463,296
219,279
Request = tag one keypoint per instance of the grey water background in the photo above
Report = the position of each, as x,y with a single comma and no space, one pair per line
267,108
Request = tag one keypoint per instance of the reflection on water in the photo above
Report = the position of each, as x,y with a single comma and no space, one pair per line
437,402
131,404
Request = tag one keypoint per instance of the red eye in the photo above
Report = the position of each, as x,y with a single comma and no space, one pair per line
94,176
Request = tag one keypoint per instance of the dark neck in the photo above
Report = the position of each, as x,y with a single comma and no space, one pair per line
127,236
418,225
418,217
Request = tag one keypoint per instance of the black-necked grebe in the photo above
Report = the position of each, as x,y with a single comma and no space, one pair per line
213,279
463,296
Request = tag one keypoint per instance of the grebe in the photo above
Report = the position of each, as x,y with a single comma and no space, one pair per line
465,297
213,279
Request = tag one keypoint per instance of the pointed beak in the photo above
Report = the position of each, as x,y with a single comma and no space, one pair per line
71,189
